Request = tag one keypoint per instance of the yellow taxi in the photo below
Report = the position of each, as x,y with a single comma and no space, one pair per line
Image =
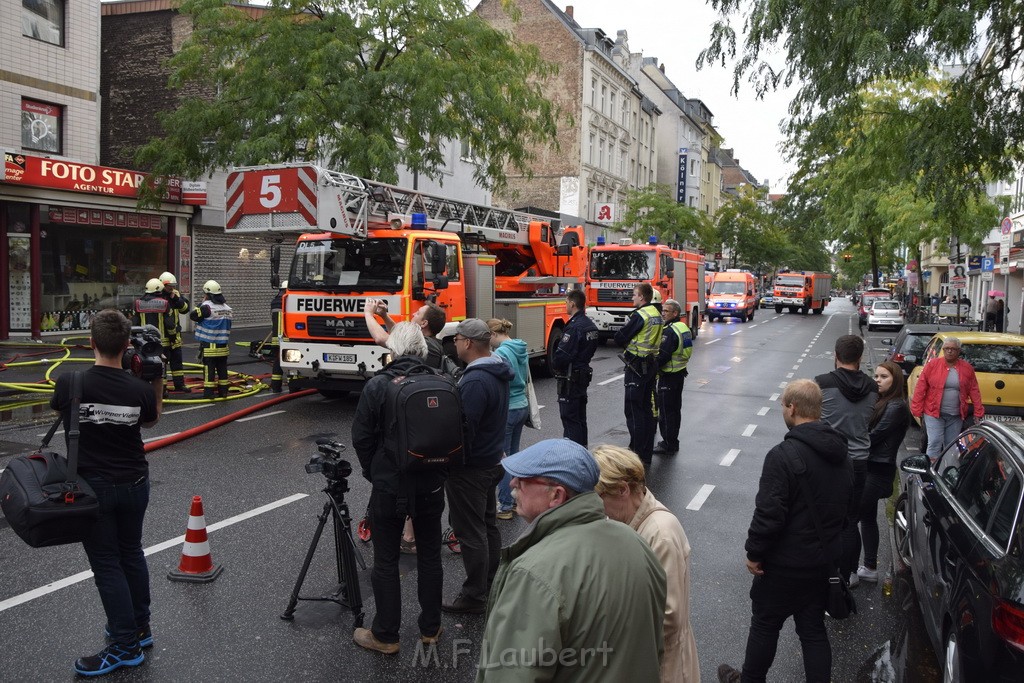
998,361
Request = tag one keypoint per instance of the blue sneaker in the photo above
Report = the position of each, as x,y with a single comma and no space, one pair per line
145,636
109,658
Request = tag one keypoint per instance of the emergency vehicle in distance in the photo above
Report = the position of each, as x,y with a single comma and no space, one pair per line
615,269
802,291
733,295
359,239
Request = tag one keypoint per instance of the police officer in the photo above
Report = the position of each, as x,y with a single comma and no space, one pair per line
572,367
276,332
153,308
178,305
673,355
212,333
641,338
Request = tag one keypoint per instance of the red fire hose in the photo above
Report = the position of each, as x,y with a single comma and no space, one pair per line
188,433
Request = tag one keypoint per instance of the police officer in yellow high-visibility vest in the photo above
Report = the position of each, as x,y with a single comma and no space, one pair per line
641,337
161,311
673,355
213,332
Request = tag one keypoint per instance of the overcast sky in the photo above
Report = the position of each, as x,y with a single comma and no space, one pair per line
675,33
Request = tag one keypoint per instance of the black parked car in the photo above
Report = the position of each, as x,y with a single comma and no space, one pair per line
958,526
907,350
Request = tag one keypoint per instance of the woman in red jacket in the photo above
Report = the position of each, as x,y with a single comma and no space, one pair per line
941,396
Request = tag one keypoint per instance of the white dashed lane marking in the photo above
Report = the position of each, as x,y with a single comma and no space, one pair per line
773,397
749,431
701,496
261,415
763,411
616,378
729,457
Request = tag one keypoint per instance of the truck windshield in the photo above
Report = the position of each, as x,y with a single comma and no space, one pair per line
622,265
790,281
728,287
349,265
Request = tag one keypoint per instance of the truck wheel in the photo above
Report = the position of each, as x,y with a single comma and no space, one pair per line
752,311
549,355
803,310
819,311
794,309
742,316
778,309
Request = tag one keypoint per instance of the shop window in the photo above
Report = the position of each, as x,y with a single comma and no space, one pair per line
43,20
96,259
42,126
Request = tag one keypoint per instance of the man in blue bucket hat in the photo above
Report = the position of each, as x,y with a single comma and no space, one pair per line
548,613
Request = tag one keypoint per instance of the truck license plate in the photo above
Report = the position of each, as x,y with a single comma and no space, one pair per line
1004,418
349,358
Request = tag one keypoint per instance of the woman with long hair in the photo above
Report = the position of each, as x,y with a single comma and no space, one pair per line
888,426
513,352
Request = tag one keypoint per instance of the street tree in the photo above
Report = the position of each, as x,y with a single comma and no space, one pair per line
363,86
832,51
654,211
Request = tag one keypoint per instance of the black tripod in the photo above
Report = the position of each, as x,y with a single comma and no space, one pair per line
345,555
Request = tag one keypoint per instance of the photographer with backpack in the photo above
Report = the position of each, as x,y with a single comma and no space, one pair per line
406,431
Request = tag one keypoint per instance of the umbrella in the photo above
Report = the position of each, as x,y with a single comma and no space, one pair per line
996,292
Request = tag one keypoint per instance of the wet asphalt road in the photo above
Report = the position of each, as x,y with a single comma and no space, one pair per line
230,629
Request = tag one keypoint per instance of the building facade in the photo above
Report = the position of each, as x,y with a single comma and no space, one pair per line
72,238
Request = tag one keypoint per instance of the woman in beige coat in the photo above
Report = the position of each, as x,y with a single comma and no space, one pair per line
623,489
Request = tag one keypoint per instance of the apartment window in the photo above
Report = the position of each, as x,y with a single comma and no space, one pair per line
467,153
590,151
693,167
604,96
42,126
611,106
593,93
43,20
625,112
600,155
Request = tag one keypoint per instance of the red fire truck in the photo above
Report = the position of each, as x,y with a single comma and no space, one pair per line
359,239
802,291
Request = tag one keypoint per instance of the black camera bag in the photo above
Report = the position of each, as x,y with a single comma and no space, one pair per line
40,493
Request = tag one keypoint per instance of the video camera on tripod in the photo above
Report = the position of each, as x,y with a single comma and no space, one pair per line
329,462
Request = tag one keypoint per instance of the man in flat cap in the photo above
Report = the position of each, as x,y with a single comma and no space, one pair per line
578,597
471,488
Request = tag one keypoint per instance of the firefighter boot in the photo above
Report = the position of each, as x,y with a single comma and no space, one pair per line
179,385
276,386
222,391
207,392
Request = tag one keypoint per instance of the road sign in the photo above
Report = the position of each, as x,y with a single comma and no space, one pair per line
1006,225
986,276
1004,246
1004,268
988,264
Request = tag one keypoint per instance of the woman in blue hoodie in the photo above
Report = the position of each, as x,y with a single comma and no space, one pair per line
513,352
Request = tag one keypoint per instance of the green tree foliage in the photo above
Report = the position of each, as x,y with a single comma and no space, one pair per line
834,50
654,211
361,85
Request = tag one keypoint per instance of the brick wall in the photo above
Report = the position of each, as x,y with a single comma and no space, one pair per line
539,26
133,85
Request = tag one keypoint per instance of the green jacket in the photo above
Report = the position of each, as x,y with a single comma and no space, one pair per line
578,597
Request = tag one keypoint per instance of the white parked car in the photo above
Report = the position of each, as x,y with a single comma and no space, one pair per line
886,313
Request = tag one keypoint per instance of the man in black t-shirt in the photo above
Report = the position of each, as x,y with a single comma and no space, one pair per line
112,459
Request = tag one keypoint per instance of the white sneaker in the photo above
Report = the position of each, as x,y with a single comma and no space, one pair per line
854,579
868,574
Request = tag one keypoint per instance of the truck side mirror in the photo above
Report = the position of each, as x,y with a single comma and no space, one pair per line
670,268
440,282
275,266
438,257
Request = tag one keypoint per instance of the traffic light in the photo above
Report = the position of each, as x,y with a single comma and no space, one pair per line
847,257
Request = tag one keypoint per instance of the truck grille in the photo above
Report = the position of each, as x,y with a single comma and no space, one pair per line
336,327
615,296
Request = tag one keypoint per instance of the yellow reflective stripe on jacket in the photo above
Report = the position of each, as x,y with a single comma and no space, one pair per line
648,339
680,355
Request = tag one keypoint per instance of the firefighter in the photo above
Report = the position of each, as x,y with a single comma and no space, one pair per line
153,308
572,367
641,338
673,355
178,305
276,332
212,332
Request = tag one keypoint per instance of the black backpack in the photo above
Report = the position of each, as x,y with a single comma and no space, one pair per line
423,420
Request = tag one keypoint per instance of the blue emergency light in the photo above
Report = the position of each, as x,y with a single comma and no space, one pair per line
653,239
419,221
600,240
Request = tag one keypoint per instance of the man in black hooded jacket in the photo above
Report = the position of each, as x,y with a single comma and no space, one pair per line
790,562
848,399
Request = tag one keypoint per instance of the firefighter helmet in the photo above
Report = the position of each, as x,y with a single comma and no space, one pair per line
154,286
211,287
168,278
656,299
284,284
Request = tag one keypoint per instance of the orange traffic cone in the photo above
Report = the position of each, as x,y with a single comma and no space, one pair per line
196,563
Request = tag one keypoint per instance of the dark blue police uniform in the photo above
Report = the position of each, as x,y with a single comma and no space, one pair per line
572,366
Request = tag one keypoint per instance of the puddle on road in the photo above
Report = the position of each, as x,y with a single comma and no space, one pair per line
908,656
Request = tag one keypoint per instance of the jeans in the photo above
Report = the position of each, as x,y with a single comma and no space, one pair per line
513,433
774,599
877,487
639,412
115,555
573,411
472,502
942,431
670,407
851,533
387,525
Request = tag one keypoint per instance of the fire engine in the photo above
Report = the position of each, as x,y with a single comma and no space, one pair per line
359,239
802,291
615,269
